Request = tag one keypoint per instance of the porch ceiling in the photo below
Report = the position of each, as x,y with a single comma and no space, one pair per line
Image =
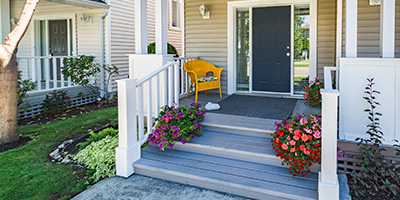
83,3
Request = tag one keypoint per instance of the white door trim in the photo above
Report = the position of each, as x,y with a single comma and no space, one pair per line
232,5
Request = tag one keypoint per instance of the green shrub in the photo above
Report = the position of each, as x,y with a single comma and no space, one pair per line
379,177
99,157
151,49
313,93
56,102
83,69
94,137
24,86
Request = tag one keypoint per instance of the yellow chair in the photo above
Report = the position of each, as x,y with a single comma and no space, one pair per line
197,70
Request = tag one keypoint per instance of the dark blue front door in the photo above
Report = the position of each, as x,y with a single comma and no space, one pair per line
271,48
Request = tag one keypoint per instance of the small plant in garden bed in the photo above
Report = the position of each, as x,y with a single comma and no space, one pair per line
297,141
379,177
313,93
56,102
174,123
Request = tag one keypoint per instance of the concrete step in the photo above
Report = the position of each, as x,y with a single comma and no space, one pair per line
243,178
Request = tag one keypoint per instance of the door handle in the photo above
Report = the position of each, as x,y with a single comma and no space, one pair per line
288,54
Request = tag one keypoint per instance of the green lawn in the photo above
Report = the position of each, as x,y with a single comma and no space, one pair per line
300,65
27,173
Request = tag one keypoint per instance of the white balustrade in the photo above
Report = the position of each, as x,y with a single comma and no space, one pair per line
132,113
44,72
184,80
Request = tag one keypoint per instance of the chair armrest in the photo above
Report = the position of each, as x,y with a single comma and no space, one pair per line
191,73
217,72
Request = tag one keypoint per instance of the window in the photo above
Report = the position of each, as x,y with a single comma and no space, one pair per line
175,14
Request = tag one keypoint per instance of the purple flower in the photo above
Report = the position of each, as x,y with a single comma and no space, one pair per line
170,145
163,140
162,133
161,146
175,110
183,141
195,121
163,127
190,111
175,133
192,136
199,105
162,118
192,104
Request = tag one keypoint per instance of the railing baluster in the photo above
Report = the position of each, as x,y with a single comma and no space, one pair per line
166,72
47,72
38,74
158,96
61,74
170,84
176,78
149,109
181,63
54,73
30,76
141,113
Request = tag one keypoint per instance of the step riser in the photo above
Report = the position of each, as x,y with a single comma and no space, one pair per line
221,186
239,131
236,154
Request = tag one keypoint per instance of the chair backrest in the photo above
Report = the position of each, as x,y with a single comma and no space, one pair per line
199,67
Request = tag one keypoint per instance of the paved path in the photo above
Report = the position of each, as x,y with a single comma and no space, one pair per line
145,188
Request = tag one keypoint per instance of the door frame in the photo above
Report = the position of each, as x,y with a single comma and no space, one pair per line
233,5
71,27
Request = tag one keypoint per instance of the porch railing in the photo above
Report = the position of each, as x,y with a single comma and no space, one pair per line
131,111
328,186
184,80
44,72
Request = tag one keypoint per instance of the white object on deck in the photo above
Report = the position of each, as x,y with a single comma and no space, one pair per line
212,106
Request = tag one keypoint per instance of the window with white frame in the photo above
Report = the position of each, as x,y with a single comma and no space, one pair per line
175,14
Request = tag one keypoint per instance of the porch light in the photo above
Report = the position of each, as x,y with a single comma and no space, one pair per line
374,2
204,11
86,19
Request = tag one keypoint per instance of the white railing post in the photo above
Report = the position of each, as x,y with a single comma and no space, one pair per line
128,150
328,185
176,77
388,17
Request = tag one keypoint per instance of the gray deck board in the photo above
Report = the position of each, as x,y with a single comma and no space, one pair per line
269,187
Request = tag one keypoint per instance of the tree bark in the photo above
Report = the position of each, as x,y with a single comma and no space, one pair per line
9,75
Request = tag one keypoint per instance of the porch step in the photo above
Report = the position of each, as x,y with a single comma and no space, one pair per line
235,146
239,124
243,178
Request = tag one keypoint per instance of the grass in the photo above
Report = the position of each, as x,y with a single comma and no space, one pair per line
27,173
298,65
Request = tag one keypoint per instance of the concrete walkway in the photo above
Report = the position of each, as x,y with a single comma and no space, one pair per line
145,188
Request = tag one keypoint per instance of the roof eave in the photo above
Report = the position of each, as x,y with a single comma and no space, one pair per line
83,3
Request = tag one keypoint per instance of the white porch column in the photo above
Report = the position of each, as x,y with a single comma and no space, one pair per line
161,27
4,19
128,150
351,28
328,185
339,30
388,28
141,26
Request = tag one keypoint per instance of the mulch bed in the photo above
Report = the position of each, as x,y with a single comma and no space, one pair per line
44,119
13,145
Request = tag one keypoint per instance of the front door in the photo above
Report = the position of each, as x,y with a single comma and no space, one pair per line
271,49
58,43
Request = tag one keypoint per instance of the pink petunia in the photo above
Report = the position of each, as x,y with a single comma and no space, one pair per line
290,130
292,150
317,134
308,130
292,142
288,138
304,138
296,137
307,151
302,147
284,146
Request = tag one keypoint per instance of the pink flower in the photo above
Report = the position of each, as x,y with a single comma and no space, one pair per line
174,104
304,138
288,138
284,146
317,134
290,130
296,137
292,142
307,151
288,125
292,150
308,130
302,147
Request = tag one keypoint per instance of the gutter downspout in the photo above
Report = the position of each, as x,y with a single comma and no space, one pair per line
102,46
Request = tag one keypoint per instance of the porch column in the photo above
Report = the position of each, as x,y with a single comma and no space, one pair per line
4,19
161,27
351,28
141,26
339,29
388,28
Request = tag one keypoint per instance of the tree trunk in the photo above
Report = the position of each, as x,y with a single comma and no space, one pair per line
8,101
9,75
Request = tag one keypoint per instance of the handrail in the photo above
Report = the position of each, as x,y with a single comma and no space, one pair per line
186,58
48,57
154,73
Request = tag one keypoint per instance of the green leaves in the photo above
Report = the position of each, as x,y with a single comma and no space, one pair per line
24,86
